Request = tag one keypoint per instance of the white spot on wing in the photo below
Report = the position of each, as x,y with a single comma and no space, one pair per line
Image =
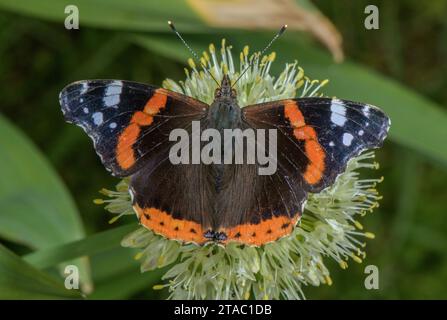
115,87
331,144
111,101
85,110
361,132
97,118
347,139
84,88
338,115
365,111
112,94
112,125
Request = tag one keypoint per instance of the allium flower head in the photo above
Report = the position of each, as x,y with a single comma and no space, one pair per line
328,229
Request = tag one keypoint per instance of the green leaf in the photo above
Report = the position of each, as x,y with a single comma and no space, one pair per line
124,285
19,280
189,16
88,246
36,208
136,15
116,274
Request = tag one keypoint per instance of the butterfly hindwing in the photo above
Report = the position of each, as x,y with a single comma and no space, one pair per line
257,209
318,136
127,121
173,200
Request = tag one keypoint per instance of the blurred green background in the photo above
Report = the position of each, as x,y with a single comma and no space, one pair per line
49,173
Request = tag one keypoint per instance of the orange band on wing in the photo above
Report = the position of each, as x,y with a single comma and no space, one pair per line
312,148
164,224
156,102
124,152
261,233
294,114
305,133
125,155
316,155
142,119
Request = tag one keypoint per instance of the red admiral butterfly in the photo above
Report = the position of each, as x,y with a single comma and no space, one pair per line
130,124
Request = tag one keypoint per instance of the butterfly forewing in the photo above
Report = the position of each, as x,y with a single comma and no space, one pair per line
318,136
127,121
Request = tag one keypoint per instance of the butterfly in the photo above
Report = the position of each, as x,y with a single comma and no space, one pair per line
130,125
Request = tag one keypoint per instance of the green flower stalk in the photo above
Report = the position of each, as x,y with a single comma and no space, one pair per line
329,226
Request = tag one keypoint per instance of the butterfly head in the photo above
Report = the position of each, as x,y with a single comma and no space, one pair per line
224,111
225,91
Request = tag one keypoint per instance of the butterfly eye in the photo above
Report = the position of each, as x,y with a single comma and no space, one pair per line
233,92
217,93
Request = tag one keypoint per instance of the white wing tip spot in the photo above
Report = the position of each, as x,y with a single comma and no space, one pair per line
84,87
365,110
338,115
112,94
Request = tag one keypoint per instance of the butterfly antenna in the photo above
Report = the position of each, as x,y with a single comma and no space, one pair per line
277,35
196,57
